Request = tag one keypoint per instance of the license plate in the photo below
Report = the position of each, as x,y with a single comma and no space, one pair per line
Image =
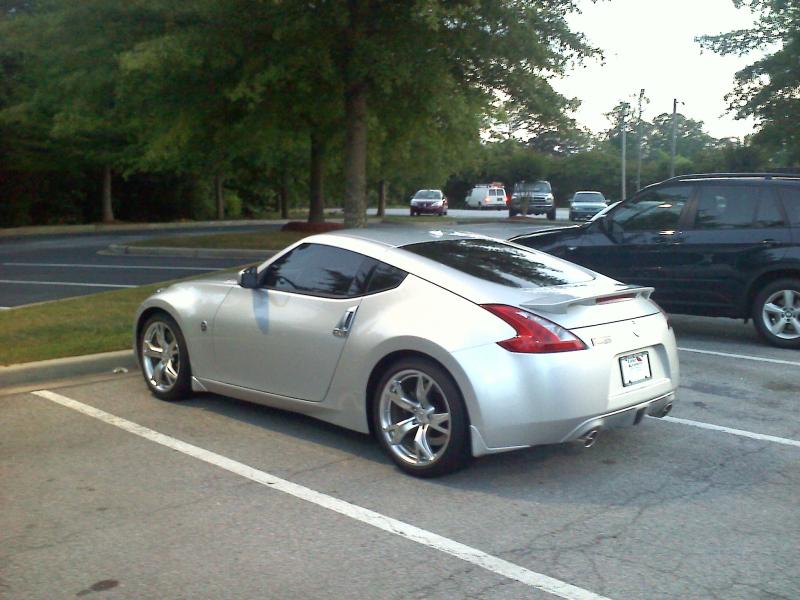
635,368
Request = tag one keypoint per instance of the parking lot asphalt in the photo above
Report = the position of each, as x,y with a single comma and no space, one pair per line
37,268
107,492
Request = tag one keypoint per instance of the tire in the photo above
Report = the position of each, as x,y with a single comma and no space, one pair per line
776,313
425,438
551,215
412,213
164,358
512,213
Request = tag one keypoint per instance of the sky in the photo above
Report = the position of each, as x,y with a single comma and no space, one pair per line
650,44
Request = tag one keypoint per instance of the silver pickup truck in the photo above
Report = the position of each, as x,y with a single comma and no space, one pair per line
532,198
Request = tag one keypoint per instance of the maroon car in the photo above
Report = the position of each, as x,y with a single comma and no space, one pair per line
429,201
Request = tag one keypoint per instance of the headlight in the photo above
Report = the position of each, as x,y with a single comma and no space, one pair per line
549,196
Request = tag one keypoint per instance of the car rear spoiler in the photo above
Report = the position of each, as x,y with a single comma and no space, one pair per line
560,303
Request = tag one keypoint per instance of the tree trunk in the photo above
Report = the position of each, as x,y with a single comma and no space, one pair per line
283,195
355,206
108,209
219,196
382,198
316,208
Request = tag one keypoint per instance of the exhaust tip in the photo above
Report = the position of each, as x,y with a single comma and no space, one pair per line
590,438
667,410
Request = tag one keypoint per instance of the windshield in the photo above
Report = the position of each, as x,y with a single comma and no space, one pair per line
428,195
588,197
498,262
537,186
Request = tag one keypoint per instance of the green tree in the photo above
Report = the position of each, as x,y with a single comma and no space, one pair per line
767,89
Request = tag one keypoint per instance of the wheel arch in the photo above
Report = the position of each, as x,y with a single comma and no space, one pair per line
764,279
383,364
142,318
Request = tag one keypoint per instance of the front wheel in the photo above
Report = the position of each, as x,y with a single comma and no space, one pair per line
164,358
551,215
776,313
419,418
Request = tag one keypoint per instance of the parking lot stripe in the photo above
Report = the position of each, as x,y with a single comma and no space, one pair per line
364,515
740,432
104,285
775,361
81,266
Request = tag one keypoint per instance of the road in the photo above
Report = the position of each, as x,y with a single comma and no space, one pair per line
216,498
47,267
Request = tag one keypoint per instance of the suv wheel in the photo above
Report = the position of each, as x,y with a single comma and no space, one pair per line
551,214
776,313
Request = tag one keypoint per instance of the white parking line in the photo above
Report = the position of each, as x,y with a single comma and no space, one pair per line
740,432
742,356
103,285
421,536
82,266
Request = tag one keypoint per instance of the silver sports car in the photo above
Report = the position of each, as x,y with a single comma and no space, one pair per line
444,345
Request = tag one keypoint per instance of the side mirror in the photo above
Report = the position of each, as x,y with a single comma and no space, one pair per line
248,278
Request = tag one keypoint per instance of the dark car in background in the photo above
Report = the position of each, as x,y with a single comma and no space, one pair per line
431,202
723,245
584,205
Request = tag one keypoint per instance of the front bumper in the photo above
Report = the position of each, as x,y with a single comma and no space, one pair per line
428,209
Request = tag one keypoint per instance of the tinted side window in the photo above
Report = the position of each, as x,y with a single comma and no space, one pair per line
791,202
654,210
316,270
769,212
726,206
385,277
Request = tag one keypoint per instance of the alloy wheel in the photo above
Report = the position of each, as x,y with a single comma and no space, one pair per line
414,418
161,357
781,314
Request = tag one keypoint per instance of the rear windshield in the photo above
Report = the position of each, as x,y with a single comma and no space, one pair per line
501,263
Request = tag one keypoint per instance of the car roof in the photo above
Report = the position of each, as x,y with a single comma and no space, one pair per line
393,237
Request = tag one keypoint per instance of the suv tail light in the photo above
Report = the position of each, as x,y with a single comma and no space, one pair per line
535,335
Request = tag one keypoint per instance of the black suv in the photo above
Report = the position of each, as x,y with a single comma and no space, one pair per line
720,245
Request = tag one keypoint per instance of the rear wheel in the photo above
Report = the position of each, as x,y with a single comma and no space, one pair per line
512,213
164,358
419,418
776,313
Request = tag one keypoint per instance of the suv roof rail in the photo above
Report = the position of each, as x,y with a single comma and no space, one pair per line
734,176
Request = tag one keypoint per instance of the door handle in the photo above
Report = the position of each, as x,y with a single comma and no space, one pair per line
770,243
342,329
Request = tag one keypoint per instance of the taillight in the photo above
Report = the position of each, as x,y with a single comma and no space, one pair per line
534,334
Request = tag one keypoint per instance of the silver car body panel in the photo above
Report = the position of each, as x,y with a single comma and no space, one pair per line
290,359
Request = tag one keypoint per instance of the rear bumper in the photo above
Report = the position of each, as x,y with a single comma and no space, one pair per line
521,400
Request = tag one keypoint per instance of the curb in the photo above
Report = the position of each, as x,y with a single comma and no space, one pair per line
119,250
63,368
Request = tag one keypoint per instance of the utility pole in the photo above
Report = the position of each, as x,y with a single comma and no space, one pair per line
624,146
674,137
639,143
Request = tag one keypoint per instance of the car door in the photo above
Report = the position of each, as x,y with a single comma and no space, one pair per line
736,228
286,336
631,243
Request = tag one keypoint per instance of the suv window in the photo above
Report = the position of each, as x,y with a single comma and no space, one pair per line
769,212
791,202
653,210
501,263
726,206
317,270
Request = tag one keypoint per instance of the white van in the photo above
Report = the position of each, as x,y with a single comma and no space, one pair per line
486,196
